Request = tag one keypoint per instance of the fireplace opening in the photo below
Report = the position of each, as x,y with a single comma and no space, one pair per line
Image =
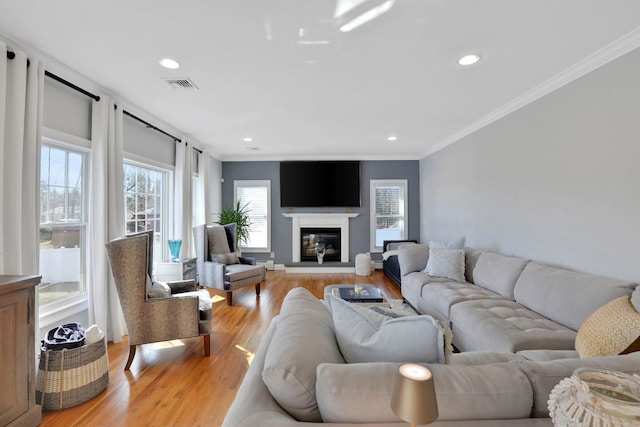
314,240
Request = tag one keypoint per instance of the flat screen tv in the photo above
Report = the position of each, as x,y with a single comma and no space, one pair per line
319,184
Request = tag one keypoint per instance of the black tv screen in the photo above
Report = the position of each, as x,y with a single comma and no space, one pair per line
320,184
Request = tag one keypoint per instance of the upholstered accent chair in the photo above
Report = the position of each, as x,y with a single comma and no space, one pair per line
155,311
218,265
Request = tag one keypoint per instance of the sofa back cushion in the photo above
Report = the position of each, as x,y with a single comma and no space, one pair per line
471,257
412,258
498,272
361,393
303,339
544,376
564,296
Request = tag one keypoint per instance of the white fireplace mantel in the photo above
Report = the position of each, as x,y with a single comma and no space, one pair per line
320,220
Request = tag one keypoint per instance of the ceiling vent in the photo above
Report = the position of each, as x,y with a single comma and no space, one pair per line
182,83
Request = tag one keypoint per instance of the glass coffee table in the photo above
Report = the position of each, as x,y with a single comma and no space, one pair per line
366,295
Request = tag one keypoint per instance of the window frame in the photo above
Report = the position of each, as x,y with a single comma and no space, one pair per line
373,185
57,311
256,183
166,195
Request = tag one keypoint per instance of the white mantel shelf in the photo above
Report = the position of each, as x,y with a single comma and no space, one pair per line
316,215
320,220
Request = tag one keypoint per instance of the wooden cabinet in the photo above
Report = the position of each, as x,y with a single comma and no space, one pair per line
169,271
17,352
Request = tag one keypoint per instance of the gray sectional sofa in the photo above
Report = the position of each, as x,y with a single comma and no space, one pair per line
298,377
507,304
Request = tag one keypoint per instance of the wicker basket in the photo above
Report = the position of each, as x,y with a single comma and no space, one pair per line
71,376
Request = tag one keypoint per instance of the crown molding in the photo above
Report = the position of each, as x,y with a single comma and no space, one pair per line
613,50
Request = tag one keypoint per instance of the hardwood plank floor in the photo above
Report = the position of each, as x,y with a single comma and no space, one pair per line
173,384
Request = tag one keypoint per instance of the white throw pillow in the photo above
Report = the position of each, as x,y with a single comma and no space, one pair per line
204,298
366,336
455,244
159,290
447,263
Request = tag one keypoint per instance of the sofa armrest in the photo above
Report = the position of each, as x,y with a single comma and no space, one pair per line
212,275
180,286
392,245
412,258
247,260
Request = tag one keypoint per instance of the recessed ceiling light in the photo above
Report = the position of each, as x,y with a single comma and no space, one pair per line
392,138
247,139
169,63
469,59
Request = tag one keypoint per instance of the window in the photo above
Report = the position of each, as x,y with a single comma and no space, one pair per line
257,196
388,211
63,223
144,197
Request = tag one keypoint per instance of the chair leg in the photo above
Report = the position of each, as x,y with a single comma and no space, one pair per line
258,289
132,353
229,299
207,345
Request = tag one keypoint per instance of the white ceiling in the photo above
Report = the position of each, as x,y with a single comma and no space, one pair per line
396,75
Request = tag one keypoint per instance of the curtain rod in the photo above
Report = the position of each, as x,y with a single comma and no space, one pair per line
151,126
71,85
156,128
12,55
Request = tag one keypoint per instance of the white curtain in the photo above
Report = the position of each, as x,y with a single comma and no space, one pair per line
201,197
182,214
106,216
21,90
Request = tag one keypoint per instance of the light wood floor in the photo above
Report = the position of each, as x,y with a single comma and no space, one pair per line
173,384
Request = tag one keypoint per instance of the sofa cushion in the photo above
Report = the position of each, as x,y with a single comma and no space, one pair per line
471,257
442,295
544,376
412,258
612,329
564,296
504,325
361,393
366,336
413,283
498,272
236,272
303,339
448,263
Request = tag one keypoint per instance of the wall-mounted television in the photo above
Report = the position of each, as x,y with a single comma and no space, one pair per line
319,184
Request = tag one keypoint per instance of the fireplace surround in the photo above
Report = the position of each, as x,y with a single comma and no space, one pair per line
319,220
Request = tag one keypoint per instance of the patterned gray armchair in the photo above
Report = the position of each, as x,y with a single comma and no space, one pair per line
155,311
218,266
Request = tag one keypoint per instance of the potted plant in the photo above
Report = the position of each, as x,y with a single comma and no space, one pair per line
240,216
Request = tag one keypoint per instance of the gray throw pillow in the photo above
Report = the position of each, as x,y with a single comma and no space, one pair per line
448,263
365,336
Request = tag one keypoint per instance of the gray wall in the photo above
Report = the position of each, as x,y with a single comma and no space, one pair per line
556,181
358,227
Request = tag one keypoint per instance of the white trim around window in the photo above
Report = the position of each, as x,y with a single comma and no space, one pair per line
258,194
389,211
